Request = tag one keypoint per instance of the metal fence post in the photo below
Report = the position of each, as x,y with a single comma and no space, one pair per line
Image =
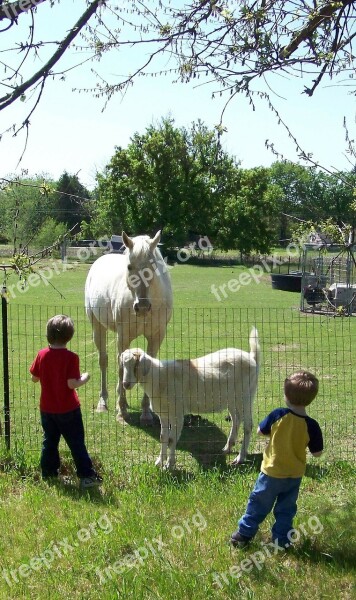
5,358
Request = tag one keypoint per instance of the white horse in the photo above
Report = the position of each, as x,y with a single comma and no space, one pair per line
130,294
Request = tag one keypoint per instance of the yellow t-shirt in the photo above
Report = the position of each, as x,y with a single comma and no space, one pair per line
290,435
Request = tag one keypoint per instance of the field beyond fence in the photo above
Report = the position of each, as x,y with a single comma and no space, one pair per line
290,340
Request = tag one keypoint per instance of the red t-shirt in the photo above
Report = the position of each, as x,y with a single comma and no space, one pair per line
53,367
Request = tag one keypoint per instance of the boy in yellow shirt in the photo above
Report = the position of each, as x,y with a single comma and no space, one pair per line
291,431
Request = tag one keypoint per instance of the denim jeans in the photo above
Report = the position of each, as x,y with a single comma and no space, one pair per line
70,426
268,493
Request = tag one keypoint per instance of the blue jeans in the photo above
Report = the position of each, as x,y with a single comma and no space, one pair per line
271,492
70,426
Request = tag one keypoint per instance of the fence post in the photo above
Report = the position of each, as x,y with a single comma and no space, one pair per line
5,359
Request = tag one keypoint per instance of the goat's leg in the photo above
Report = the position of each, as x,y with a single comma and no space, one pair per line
164,437
248,425
174,435
121,403
153,344
235,424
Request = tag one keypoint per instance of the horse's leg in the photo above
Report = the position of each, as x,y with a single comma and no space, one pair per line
99,335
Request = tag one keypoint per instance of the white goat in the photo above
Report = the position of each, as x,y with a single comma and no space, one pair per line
224,379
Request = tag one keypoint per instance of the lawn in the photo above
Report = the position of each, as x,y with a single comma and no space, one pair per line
154,535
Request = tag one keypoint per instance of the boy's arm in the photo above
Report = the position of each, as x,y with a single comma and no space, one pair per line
259,432
35,379
316,444
76,383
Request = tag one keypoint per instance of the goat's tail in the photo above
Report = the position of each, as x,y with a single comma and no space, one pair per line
255,348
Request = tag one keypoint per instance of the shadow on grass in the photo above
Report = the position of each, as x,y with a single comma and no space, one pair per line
204,441
316,471
337,547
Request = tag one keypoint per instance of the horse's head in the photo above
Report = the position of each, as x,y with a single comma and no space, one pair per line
141,268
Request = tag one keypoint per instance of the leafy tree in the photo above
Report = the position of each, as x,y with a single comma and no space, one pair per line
233,44
49,233
310,195
72,201
248,218
24,206
297,193
167,178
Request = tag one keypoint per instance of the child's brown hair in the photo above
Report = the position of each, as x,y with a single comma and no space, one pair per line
60,329
301,388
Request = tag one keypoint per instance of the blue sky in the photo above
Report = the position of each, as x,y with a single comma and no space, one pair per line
70,132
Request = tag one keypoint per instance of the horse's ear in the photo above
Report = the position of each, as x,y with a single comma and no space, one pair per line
127,240
155,240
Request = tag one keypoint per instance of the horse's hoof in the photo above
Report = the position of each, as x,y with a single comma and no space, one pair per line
123,419
101,408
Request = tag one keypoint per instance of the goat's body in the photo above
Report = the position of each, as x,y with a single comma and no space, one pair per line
224,379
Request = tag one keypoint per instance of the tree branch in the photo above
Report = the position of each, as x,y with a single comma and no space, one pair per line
5,101
322,15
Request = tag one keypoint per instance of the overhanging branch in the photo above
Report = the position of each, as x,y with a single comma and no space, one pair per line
322,15
5,101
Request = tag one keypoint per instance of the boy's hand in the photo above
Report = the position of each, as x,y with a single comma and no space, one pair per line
74,384
84,378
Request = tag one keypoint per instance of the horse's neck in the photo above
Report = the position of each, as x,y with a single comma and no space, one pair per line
160,268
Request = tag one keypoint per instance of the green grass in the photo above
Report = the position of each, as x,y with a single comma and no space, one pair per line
201,324
180,526
138,504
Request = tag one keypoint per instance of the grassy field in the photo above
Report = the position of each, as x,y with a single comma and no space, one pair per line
201,323
154,535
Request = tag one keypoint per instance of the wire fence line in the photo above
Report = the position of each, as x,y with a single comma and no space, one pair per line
290,340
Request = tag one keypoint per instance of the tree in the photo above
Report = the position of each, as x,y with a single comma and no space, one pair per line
295,183
72,201
309,195
49,233
24,206
231,44
248,221
175,179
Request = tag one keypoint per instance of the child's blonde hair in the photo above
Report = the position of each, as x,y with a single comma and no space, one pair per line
60,329
301,388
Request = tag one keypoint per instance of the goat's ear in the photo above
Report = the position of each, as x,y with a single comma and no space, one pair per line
144,364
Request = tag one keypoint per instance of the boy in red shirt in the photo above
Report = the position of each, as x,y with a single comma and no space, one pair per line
57,369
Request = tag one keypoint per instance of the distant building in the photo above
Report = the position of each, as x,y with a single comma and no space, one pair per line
318,237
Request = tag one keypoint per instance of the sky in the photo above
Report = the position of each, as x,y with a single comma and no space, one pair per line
70,131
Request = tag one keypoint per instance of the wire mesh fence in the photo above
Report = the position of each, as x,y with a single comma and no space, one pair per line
290,340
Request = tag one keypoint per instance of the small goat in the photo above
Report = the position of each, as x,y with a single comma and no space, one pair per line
224,379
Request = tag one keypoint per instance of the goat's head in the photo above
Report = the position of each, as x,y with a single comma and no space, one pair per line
135,365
